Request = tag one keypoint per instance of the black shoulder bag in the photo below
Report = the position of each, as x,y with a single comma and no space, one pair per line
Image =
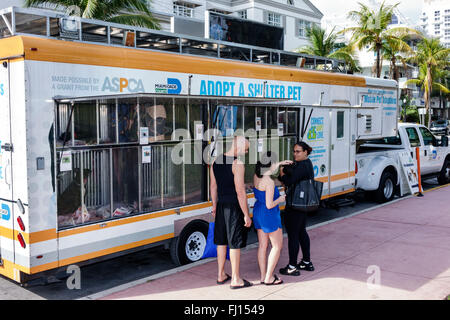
305,195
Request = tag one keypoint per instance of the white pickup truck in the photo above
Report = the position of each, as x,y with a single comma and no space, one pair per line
377,162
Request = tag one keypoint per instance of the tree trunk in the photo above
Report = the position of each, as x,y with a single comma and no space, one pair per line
395,70
378,62
391,70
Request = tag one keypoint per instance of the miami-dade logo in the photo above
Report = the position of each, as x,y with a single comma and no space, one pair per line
2,91
173,86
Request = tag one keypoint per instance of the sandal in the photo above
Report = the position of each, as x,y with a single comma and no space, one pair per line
274,282
246,284
224,280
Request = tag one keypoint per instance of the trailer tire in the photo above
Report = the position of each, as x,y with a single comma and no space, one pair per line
189,246
444,175
386,188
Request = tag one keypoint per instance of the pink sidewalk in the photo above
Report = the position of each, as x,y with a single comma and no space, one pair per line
408,241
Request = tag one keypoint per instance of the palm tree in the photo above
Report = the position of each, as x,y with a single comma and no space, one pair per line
130,12
426,82
324,45
372,30
394,50
431,57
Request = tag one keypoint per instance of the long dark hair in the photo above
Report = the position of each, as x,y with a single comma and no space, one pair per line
267,159
304,146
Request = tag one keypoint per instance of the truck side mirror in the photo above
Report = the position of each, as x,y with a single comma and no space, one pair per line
444,141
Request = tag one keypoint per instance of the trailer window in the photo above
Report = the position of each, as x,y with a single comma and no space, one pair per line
196,106
272,121
152,180
125,181
227,119
127,120
181,112
340,125
90,177
413,137
249,118
292,116
85,126
156,116
63,124
193,174
261,120
107,121
69,195
282,119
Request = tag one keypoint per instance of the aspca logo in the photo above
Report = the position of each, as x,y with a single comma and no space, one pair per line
2,91
123,85
173,86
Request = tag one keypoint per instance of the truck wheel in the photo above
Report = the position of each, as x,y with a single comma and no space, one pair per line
386,189
444,175
190,245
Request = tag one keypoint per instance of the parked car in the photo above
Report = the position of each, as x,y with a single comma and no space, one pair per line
440,127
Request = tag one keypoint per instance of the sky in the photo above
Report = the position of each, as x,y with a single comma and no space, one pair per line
411,9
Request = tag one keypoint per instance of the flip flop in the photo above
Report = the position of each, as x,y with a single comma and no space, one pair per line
246,284
224,280
274,282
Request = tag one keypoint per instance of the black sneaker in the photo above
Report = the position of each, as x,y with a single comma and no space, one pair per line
288,271
305,266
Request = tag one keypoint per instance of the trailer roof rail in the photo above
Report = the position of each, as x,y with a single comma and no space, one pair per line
56,25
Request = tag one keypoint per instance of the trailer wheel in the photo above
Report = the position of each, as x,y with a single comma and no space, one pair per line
190,245
386,189
444,175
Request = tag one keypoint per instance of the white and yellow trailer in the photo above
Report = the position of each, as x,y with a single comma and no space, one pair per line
52,88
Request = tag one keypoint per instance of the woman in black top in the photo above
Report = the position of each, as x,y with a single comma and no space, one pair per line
295,221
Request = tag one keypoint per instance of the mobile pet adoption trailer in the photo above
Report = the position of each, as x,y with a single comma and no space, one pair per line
104,128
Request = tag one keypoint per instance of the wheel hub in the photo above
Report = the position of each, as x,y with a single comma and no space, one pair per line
195,246
388,188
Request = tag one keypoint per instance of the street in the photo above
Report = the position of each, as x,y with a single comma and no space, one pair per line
108,274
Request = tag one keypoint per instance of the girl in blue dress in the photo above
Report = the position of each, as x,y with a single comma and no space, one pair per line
266,217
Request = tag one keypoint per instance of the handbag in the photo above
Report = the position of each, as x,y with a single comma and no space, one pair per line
305,196
211,248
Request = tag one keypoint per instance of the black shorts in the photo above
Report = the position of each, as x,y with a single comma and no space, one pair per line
229,227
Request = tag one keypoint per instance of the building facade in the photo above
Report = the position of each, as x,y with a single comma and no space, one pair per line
292,15
435,20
